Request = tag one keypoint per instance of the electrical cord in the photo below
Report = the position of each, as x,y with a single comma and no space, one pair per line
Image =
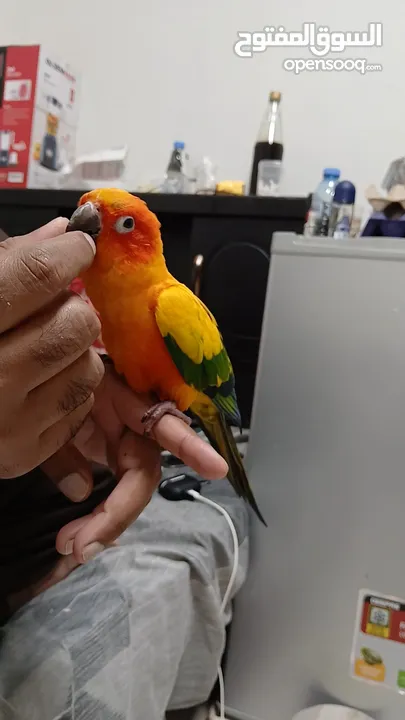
188,487
206,501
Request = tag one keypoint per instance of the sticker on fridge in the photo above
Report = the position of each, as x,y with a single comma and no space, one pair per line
378,651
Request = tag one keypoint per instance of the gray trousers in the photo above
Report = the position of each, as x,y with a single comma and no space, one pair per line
136,631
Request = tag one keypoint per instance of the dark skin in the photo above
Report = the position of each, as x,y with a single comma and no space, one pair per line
60,408
48,368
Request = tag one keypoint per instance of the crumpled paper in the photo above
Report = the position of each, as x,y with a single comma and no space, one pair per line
380,201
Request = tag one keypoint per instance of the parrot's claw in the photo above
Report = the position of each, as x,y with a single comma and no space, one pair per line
156,412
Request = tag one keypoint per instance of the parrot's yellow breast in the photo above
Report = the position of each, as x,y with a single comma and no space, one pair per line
131,335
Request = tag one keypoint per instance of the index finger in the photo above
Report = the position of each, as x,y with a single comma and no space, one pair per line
36,268
179,439
170,432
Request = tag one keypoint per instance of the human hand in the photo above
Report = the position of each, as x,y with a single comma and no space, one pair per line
117,414
48,370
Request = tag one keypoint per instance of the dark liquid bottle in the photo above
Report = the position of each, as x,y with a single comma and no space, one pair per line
269,147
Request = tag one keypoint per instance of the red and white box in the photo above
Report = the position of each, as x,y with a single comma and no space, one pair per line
38,117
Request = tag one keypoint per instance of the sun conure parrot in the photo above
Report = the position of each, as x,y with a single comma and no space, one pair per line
160,336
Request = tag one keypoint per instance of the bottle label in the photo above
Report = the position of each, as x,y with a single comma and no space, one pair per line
310,225
342,228
340,222
268,177
322,224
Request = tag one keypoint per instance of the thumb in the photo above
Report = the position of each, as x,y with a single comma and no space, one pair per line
37,268
71,472
55,227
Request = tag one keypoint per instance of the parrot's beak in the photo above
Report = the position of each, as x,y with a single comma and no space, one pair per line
87,219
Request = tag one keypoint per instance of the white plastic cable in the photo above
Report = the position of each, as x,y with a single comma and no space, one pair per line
206,501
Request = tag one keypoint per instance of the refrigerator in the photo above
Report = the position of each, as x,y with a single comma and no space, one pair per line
321,618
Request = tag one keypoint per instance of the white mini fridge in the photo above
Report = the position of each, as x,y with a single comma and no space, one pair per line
321,618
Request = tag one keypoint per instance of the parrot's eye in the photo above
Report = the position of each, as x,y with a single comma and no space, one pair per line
125,224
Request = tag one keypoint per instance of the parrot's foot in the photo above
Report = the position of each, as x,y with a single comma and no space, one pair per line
156,412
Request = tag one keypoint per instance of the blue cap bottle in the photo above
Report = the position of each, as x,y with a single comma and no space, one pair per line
331,173
345,193
342,210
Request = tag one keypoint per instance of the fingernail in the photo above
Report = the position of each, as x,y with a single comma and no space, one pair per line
90,551
91,242
68,547
59,223
74,486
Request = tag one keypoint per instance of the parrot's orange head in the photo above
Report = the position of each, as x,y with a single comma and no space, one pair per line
125,231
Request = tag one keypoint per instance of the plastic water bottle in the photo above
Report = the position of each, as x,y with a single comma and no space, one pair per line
341,215
176,179
318,216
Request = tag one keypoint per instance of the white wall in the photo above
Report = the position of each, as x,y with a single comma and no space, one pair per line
163,70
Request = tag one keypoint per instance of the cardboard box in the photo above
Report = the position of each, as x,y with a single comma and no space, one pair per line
38,117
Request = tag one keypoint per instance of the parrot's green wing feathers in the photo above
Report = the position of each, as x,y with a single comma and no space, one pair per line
195,344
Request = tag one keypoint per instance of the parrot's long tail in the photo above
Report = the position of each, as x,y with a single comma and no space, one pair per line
221,438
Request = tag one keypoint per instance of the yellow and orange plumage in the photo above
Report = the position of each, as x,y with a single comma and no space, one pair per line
160,336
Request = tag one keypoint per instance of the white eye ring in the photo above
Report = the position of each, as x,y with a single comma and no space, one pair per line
125,224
